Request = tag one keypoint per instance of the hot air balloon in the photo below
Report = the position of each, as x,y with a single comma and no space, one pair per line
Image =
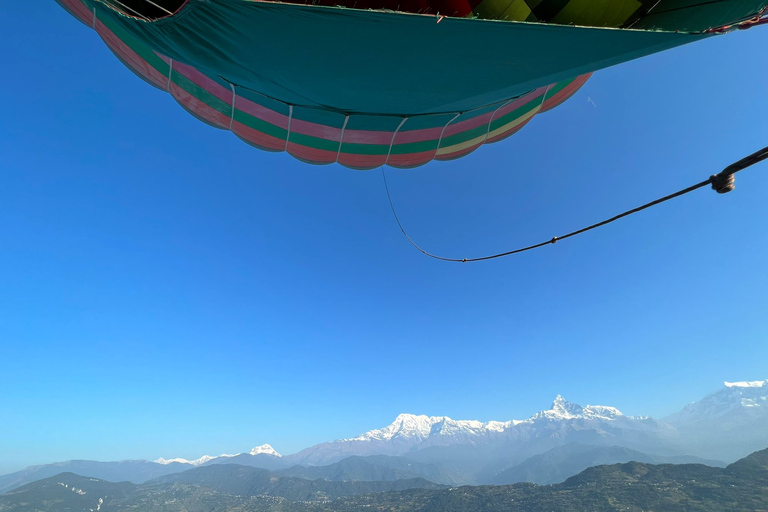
367,83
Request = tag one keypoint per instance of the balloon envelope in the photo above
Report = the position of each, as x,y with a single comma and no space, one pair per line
366,88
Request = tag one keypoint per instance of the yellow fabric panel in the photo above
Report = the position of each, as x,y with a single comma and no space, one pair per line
597,13
516,10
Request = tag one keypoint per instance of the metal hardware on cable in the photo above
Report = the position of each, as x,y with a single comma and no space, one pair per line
722,183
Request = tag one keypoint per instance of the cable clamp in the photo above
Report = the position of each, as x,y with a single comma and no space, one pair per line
723,183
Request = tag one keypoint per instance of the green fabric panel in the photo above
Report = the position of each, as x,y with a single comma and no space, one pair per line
374,123
260,99
314,115
136,45
354,61
695,15
425,122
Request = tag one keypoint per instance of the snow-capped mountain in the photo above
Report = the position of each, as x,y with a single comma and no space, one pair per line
264,449
514,439
727,424
564,410
735,399
196,462
419,428
724,425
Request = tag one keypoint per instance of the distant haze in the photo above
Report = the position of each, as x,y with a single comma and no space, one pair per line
546,448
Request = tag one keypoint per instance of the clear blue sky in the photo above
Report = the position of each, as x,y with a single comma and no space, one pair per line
167,290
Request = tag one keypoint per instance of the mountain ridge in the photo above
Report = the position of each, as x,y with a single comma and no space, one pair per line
472,452
632,486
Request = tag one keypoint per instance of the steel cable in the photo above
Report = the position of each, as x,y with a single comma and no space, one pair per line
722,183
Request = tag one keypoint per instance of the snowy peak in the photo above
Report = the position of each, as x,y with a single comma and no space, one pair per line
748,384
409,426
562,409
196,462
728,403
264,449
419,427
750,394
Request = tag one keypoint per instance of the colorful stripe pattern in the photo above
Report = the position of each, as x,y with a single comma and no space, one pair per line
321,136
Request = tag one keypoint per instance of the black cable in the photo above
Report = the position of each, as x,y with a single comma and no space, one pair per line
722,183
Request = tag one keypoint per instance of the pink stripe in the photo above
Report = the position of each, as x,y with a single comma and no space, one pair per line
466,125
311,154
258,138
422,135
203,81
534,95
320,131
137,63
79,9
199,108
411,159
367,137
565,93
261,112
361,161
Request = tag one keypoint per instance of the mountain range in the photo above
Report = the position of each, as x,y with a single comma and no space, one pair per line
632,486
545,448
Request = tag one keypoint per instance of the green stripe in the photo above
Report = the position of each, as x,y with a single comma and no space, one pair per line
202,94
414,147
314,142
260,125
141,49
517,113
559,86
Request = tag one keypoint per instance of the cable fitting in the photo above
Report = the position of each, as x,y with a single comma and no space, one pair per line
722,184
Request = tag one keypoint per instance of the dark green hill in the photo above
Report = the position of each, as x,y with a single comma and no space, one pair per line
247,481
632,487
382,468
559,463
136,471
65,492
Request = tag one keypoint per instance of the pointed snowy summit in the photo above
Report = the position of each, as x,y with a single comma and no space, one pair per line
264,449
562,409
